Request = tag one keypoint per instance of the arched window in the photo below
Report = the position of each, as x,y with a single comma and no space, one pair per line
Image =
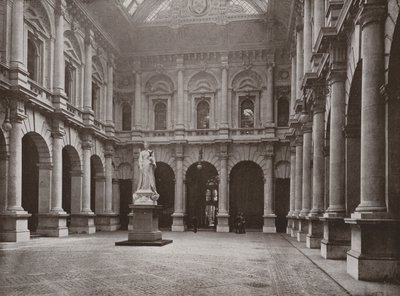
68,80
160,116
203,115
283,112
32,60
247,114
126,117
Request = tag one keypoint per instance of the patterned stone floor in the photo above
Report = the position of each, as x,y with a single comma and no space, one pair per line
206,263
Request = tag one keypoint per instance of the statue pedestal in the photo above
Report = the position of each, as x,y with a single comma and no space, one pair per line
143,223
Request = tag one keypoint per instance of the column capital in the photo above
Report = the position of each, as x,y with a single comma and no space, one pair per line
87,144
89,37
371,12
109,153
269,150
336,76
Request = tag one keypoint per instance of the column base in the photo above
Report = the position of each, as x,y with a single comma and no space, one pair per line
289,225
294,229
336,238
82,223
178,223
14,227
315,232
375,248
302,229
223,223
107,222
53,225
269,223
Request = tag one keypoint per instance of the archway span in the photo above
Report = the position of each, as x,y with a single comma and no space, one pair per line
3,176
36,177
246,193
165,184
202,194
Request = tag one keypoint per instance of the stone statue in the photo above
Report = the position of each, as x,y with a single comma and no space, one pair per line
146,192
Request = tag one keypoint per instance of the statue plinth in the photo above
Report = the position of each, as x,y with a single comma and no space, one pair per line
143,221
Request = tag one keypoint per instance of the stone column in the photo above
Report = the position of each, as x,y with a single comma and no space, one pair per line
17,36
307,36
110,91
293,86
138,100
14,222
336,241
59,63
87,91
56,179
292,188
179,211
375,252
315,227
269,214
269,112
299,185
116,196
223,214
299,59
306,188
84,221
109,172
179,126
319,17
224,94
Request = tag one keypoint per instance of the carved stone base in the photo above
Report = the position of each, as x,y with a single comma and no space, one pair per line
336,241
295,227
269,223
144,230
178,223
302,229
14,227
54,225
315,233
289,225
82,223
107,222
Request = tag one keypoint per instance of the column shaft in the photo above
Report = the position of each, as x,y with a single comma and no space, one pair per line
224,97
179,186
17,36
307,153
108,189
269,187
15,168
59,63
319,17
110,92
318,162
300,63
337,146
372,115
86,180
223,192
299,178
180,104
307,36
293,87
292,180
88,75
56,179
269,115
138,100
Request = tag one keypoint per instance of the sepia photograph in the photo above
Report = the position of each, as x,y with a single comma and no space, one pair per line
200,147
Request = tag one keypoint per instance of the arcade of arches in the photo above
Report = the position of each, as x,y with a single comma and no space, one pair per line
284,111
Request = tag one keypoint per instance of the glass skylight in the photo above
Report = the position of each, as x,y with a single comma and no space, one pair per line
249,9
131,5
165,6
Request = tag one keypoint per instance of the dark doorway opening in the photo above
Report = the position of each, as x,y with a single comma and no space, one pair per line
202,195
282,200
165,184
246,194
125,187
66,184
30,181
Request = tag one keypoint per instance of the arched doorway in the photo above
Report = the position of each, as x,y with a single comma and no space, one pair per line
165,184
97,184
246,194
71,170
36,176
202,194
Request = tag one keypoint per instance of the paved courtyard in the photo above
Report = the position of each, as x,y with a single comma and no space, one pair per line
206,263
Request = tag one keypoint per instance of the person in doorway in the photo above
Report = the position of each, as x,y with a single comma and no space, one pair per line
242,224
194,223
237,223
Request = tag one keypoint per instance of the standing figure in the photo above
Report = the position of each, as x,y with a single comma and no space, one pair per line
147,166
194,223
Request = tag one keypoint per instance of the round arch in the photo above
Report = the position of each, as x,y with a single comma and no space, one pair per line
165,184
202,194
202,82
3,168
246,193
159,83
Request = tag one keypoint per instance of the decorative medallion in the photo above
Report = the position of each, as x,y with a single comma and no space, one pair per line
199,7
